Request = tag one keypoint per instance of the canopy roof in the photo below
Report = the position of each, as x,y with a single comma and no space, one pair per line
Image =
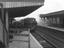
21,11
54,14
21,0
18,8
20,3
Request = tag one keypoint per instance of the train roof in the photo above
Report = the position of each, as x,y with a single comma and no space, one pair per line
54,14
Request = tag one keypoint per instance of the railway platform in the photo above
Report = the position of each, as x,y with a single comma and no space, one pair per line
54,35
18,43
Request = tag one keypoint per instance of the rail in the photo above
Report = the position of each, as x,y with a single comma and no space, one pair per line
55,28
51,36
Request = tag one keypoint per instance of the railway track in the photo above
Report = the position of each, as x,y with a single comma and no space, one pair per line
51,36
42,41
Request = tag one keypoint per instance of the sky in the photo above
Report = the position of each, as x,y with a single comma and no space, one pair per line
49,7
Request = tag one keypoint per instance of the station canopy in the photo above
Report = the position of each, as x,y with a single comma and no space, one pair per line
53,14
19,8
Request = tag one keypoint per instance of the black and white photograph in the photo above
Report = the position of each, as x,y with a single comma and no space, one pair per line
31,23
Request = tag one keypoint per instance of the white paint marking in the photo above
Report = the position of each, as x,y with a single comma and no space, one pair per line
36,40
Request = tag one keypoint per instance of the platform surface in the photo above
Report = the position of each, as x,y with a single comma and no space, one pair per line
19,44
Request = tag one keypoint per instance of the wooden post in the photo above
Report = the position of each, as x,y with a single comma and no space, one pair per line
6,33
29,38
2,19
4,26
1,23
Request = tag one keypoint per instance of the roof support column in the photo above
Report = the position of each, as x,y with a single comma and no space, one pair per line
7,28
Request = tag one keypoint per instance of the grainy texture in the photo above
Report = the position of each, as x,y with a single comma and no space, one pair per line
19,44
24,0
